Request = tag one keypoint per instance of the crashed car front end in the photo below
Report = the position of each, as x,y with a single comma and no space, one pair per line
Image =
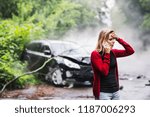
74,69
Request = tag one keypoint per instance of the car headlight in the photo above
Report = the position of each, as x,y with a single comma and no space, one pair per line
71,64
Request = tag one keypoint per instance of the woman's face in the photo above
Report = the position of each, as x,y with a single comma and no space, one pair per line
111,40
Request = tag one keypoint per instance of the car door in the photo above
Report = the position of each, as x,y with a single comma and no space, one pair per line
46,55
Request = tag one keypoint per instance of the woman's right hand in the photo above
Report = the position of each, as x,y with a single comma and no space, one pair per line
113,35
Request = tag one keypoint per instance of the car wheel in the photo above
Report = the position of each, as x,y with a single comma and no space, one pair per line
55,76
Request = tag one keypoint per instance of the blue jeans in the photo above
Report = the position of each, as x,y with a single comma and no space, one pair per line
109,96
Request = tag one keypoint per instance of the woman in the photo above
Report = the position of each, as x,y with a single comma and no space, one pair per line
104,65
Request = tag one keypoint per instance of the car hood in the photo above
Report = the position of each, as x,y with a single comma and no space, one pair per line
77,59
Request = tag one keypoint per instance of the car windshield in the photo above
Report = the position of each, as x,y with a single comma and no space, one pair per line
67,49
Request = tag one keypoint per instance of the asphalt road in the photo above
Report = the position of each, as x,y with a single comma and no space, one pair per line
135,87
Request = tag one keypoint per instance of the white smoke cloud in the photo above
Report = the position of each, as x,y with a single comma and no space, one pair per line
86,38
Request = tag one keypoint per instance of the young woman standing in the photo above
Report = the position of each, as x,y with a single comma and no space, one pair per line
104,65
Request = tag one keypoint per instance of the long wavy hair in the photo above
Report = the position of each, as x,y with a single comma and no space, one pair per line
103,37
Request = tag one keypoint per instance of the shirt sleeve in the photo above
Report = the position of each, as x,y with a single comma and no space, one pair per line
128,50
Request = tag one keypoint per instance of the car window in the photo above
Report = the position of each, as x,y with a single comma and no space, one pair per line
67,48
45,47
34,47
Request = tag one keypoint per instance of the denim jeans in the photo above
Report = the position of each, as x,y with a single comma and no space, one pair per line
109,96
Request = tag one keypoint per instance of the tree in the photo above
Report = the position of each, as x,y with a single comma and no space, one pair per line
7,8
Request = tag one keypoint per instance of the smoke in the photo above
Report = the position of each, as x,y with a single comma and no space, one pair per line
86,38
137,63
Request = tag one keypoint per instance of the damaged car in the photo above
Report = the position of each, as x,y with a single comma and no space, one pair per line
66,61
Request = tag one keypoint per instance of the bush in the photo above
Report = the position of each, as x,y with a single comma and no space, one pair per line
13,37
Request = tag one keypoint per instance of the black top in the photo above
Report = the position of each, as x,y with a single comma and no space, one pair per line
109,83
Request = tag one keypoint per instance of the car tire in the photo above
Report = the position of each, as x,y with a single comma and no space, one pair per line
54,76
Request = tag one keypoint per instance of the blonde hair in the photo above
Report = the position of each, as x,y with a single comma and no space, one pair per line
103,36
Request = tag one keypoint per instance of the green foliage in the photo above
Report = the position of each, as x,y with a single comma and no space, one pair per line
12,40
7,7
139,12
24,20
55,16
146,22
67,15
13,37
145,4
